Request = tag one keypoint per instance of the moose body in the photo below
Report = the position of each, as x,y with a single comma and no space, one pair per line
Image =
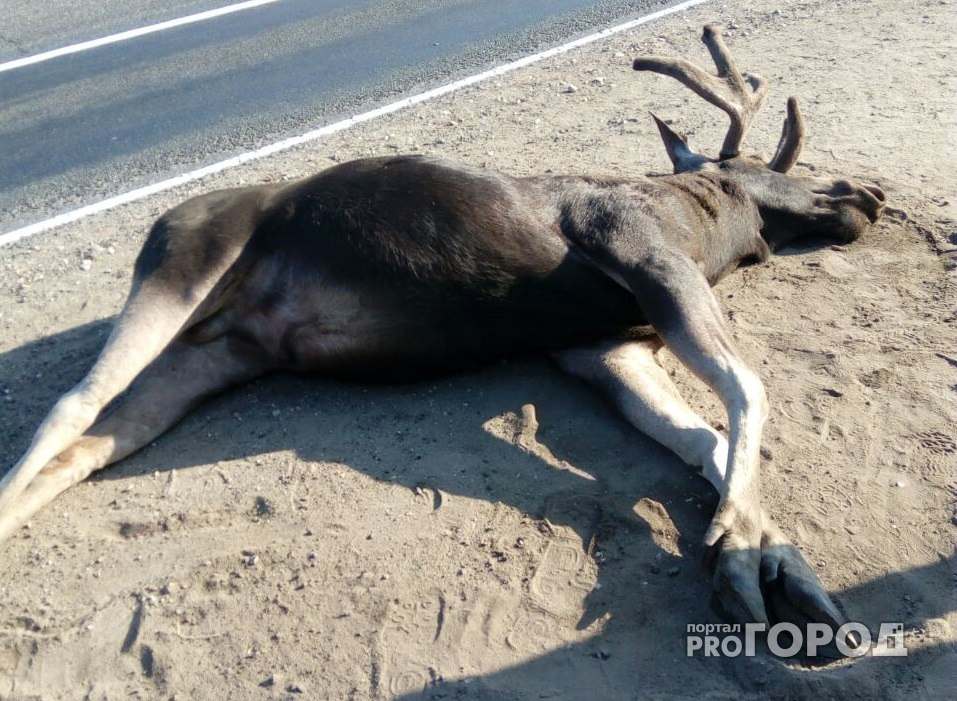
401,266
398,267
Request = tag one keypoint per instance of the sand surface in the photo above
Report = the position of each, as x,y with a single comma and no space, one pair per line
503,534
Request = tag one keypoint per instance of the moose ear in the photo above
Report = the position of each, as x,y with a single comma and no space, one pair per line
682,157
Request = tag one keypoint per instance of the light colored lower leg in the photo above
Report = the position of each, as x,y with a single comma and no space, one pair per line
136,340
71,467
747,407
71,415
180,378
645,394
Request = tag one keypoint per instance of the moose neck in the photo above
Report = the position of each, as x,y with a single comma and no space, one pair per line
784,206
722,223
708,216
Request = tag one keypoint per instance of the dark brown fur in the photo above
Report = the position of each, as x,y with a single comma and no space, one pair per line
451,265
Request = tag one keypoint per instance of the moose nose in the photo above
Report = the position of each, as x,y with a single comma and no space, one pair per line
877,192
873,201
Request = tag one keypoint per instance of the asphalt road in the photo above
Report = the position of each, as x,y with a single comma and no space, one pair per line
79,128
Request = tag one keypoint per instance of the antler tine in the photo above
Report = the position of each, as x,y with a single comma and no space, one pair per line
738,94
792,139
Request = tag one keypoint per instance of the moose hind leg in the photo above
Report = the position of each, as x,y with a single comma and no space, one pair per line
629,374
140,334
180,378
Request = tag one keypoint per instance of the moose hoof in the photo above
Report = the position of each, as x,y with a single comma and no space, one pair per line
774,584
765,579
737,584
794,593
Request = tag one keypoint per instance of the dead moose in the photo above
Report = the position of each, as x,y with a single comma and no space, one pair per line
396,267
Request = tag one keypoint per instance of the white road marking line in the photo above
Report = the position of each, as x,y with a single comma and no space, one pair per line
146,191
132,34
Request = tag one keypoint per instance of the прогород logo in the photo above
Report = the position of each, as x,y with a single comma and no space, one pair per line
725,639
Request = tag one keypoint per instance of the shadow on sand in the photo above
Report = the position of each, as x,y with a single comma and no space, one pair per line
639,579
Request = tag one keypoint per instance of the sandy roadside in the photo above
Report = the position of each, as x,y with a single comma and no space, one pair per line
440,540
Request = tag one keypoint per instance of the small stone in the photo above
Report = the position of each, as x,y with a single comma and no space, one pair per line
569,88
296,688
268,681
263,507
86,264
673,571
900,483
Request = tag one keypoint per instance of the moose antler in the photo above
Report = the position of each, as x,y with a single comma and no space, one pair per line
738,94
792,139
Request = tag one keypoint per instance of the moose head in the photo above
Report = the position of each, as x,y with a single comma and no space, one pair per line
790,206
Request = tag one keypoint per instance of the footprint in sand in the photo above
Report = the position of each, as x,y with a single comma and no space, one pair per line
935,450
402,660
